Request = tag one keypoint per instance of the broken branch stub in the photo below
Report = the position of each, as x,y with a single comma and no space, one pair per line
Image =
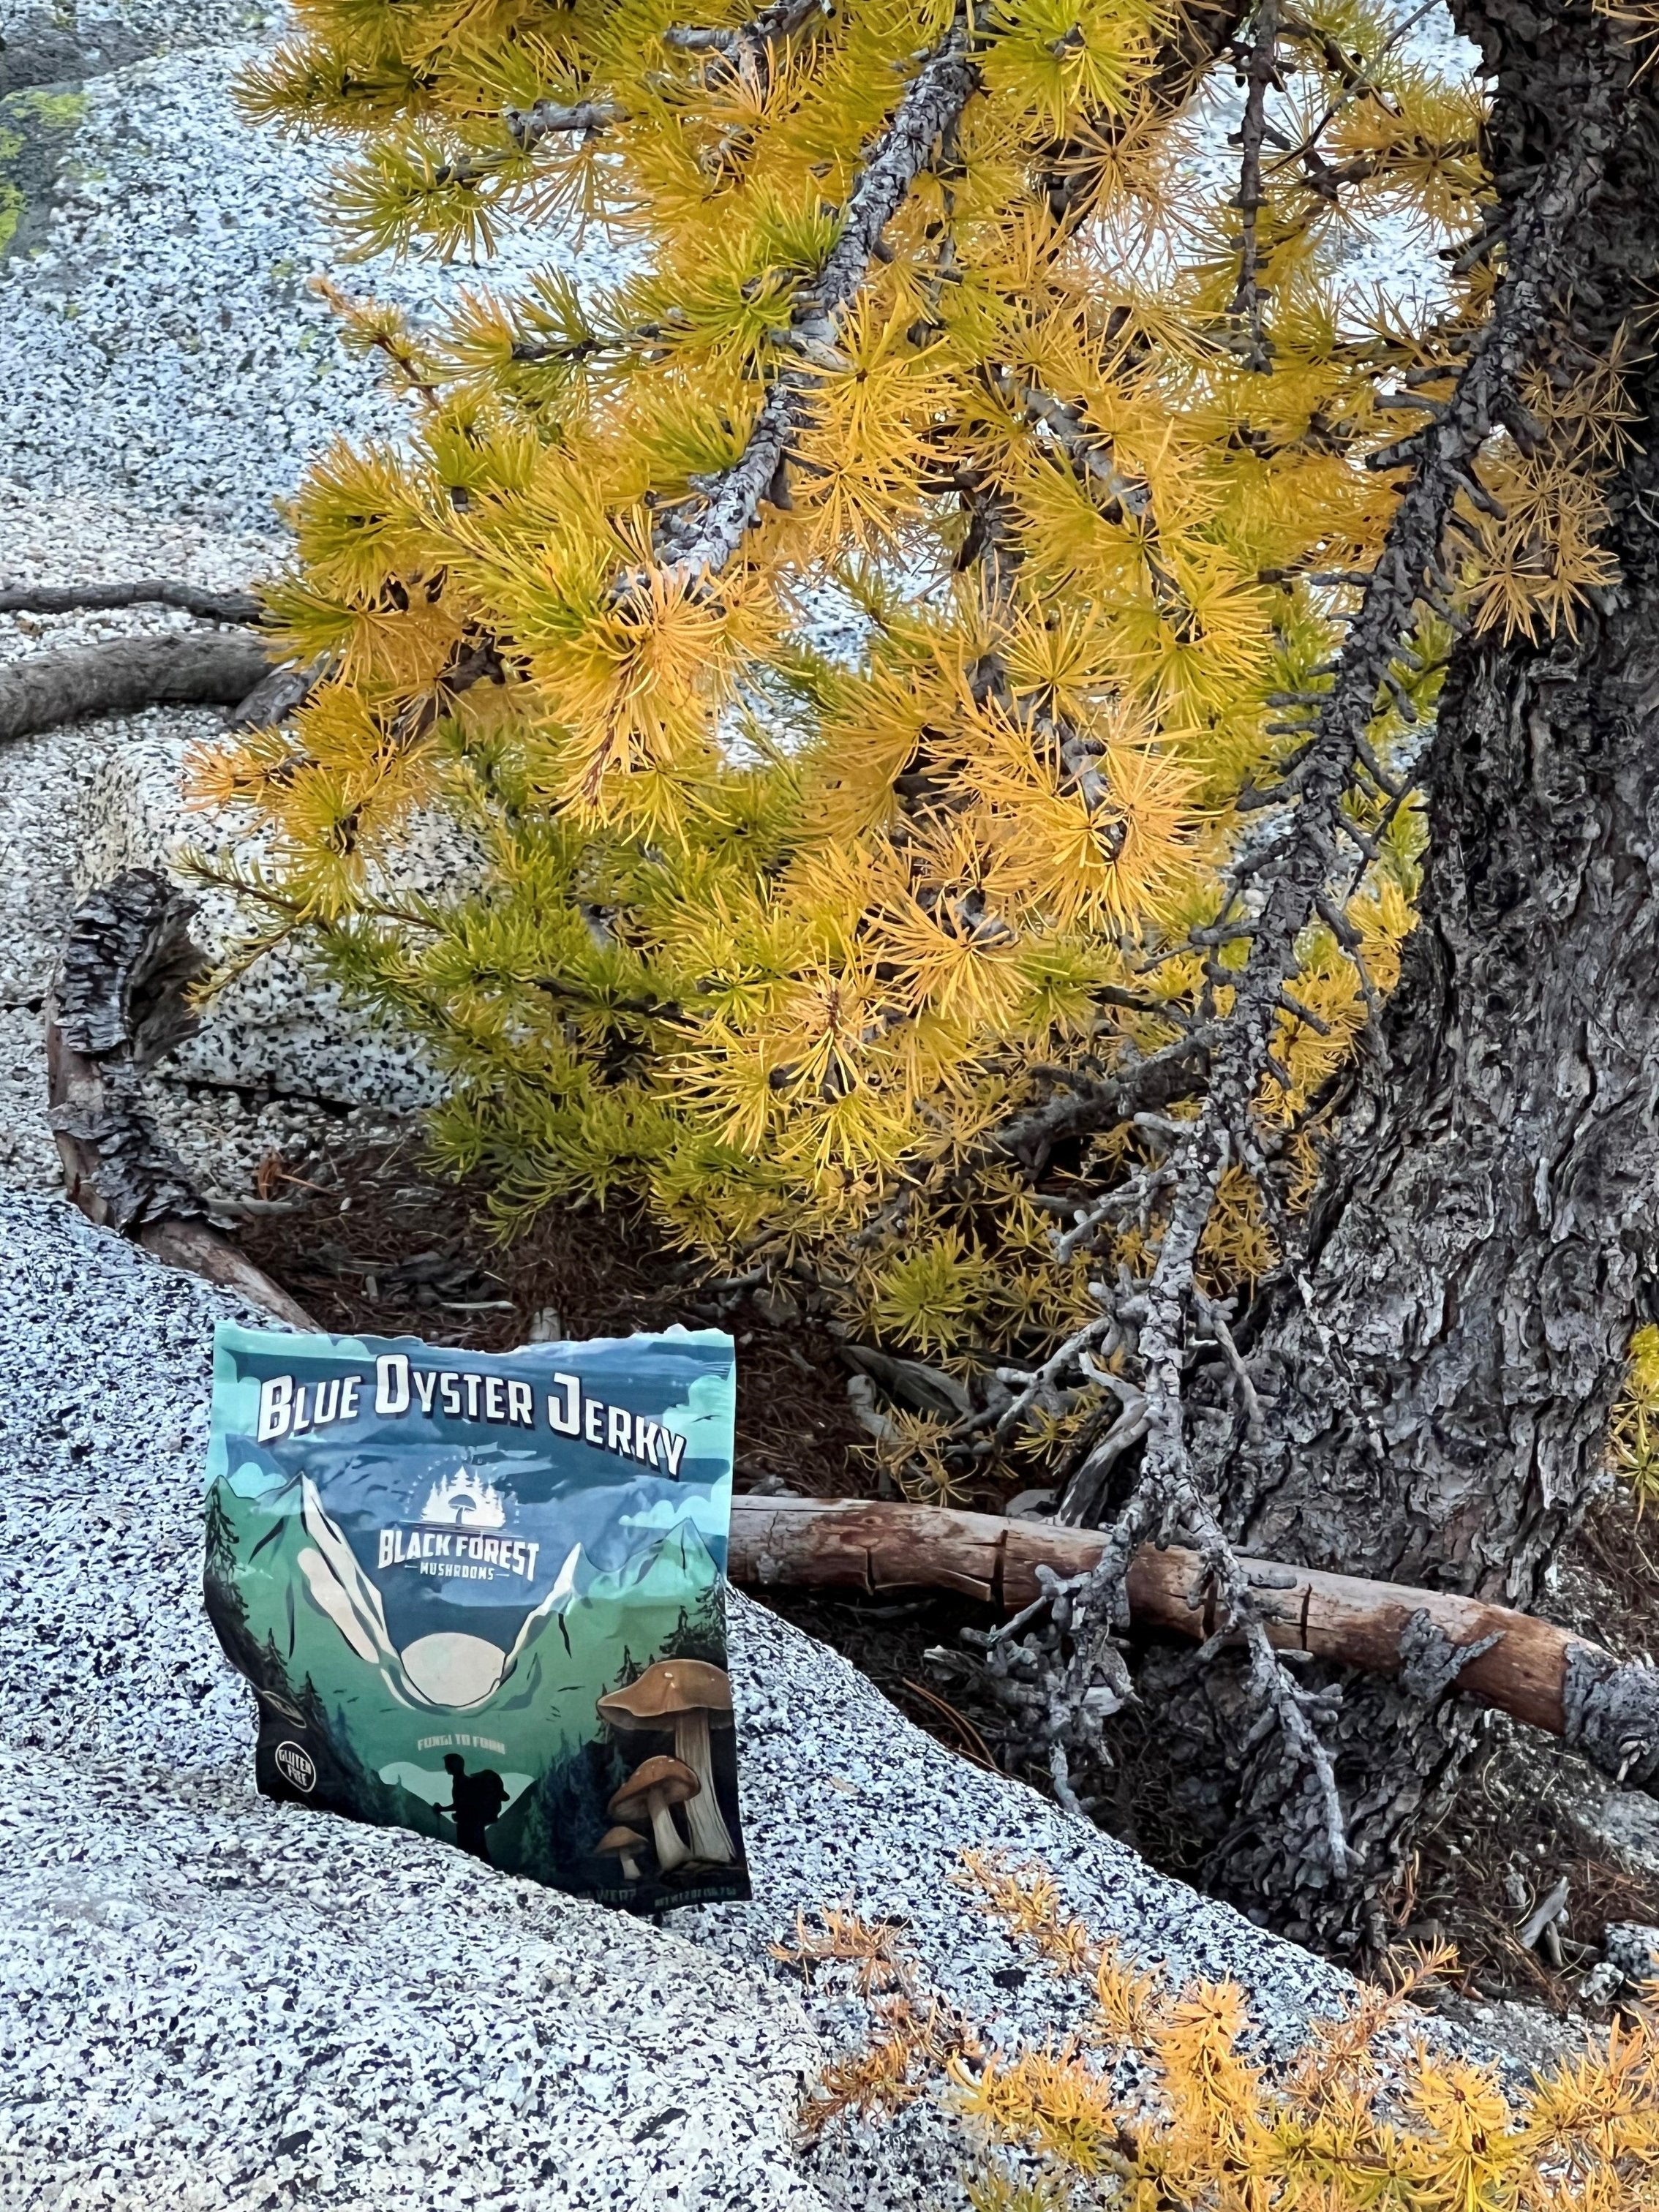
117,1006
127,966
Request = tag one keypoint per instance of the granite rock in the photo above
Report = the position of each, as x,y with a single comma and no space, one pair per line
280,1027
280,1055
166,370
1622,1825
372,2000
1526,2038
162,345
1632,1945
204,2001
214,2001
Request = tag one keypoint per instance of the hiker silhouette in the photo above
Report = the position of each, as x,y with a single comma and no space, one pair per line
475,1801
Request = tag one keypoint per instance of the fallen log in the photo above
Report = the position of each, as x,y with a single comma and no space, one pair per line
116,1007
1434,1641
212,668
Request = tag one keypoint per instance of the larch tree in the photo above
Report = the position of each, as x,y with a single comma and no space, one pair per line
959,665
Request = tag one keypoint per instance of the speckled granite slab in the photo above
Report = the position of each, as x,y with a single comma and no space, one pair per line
213,2002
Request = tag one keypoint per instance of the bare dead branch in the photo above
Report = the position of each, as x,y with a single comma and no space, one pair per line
1547,1676
148,592
1175,1072
280,692
188,670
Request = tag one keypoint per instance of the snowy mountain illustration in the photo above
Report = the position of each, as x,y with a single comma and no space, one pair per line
450,1671
527,1687
462,1501
591,1619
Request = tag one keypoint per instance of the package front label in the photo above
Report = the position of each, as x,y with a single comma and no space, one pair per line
482,1596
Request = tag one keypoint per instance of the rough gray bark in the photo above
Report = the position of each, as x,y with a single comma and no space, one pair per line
747,47
703,538
115,1008
146,592
1482,1251
215,669
1064,1674
1488,1227
128,964
279,693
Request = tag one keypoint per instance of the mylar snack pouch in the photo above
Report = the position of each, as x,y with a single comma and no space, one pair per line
482,1596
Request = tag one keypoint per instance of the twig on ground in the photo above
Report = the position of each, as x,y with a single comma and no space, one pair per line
148,592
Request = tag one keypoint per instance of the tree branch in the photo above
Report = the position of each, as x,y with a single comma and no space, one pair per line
1247,304
747,47
187,670
700,541
528,126
1201,30
1090,458
1176,1072
150,591
1437,1642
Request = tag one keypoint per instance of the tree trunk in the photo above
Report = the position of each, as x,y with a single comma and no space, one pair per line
1486,1233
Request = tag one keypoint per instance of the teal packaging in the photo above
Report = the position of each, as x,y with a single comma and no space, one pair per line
482,1596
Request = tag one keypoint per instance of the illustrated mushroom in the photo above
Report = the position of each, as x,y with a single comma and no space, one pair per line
622,1844
654,1788
690,1697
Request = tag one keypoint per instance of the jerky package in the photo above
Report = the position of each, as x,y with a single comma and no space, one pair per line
482,1595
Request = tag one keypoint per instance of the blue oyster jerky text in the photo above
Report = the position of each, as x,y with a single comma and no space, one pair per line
482,1596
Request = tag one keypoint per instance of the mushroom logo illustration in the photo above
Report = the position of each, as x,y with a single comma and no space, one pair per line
622,1844
654,1789
690,1696
463,1502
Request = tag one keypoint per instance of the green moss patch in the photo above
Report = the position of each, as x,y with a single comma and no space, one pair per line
36,128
